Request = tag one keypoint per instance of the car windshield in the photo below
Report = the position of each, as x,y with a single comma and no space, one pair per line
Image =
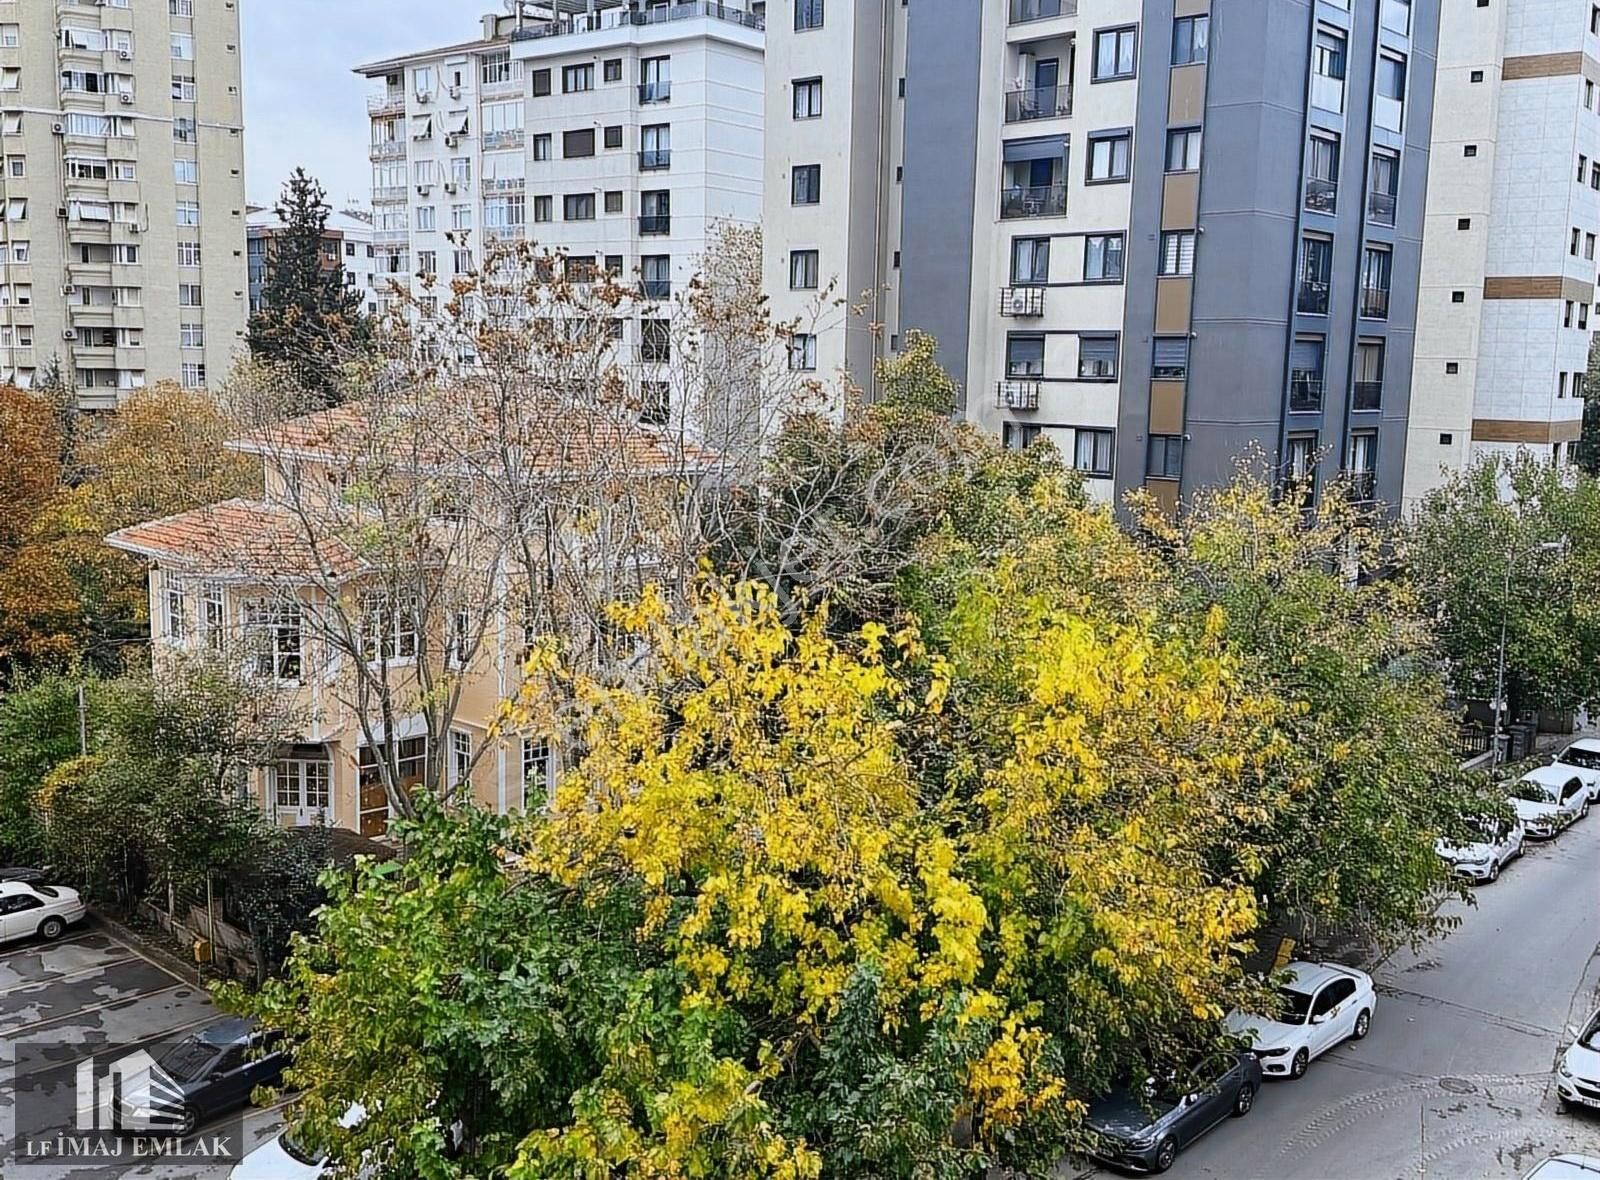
1591,1036
188,1061
1296,1005
1533,792
298,1151
1588,759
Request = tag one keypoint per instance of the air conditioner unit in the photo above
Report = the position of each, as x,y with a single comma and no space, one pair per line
57,129
451,141
455,92
424,189
69,289
133,228
124,55
450,187
125,99
69,334
61,211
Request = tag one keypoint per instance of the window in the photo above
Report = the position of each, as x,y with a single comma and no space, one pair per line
183,46
427,262
539,84
192,335
1114,53
542,147
189,295
176,609
542,208
1328,66
1388,108
655,146
613,136
273,632
1183,150
16,166
1102,258
1164,459
803,350
186,171
21,250
1376,262
655,341
807,15
182,88
1108,157
655,273
1171,359
655,403
422,81
806,184
614,201
803,266
460,216
1322,173
578,207
461,757
1190,35
655,79
1091,452
1097,357
462,262
577,144
1025,355
16,209
577,78
1177,253
1030,261
192,375
426,219
388,628
538,766
182,130
188,212
1577,240
612,70
808,98
1385,186
1316,271
1470,150
1301,467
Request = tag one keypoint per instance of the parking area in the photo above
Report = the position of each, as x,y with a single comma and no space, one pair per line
91,993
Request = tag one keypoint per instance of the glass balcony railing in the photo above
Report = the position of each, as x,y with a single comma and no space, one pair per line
1322,196
1023,11
1375,303
1367,395
1039,200
1313,299
1305,394
1380,208
1038,102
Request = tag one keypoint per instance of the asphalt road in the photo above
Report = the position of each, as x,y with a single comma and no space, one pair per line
1455,1081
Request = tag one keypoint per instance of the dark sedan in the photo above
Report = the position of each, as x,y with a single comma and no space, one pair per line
1145,1131
205,1074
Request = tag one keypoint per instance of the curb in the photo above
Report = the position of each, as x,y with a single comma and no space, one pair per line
160,955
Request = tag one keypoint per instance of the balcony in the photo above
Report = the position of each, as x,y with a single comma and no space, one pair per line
392,103
505,184
1380,208
1018,394
499,139
1305,394
504,233
619,18
394,149
653,92
655,160
1044,200
1362,486
1367,395
1022,301
390,237
1313,298
389,194
1375,303
655,223
1322,196
1023,11
656,289
1038,102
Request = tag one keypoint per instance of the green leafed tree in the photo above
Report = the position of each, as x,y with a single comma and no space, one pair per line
310,322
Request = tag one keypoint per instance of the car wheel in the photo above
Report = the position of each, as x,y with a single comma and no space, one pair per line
1297,1067
52,928
1364,1017
190,1120
1165,1154
1562,1105
1494,871
1245,1099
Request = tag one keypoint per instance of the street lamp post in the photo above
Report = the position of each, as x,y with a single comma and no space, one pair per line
1505,615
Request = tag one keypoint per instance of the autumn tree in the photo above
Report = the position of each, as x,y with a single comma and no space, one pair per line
309,318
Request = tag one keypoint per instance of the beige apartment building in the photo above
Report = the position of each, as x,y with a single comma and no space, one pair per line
122,244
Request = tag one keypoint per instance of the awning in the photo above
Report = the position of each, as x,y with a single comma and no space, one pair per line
414,726
1049,147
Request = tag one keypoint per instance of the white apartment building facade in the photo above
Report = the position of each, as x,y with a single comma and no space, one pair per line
122,190
618,132
346,244
1509,257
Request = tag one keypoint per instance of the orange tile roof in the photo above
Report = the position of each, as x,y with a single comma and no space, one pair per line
241,538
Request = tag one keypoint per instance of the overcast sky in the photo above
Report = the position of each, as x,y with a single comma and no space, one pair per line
303,106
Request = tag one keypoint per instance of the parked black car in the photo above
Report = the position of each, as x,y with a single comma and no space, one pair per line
205,1074
28,876
1144,1128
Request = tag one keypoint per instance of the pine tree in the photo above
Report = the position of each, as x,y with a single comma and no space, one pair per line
1589,441
310,322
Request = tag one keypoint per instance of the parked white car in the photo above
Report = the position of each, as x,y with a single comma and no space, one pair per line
1566,1167
285,1158
46,910
1582,758
1578,1072
1549,799
1482,859
1324,1004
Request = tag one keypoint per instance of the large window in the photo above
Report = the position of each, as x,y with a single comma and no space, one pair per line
1328,66
807,14
577,78
273,632
1170,360
1114,53
388,628
1164,458
1030,261
1183,150
1091,452
1388,111
1322,173
1097,357
1383,200
577,144
1102,258
1177,253
1376,264
1108,156
1025,355
1316,274
1190,36
301,784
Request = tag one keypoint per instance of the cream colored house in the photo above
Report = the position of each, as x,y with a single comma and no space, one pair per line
274,583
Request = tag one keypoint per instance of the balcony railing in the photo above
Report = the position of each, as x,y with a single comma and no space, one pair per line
1305,394
386,104
1380,208
390,237
389,194
1313,298
1023,11
655,160
494,139
505,233
1375,303
392,150
1038,102
617,18
1362,485
1042,200
650,92
657,289
1022,301
1018,394
655,223
1322,196
1367,395
505,184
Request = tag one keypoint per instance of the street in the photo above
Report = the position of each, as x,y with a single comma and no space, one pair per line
1455,1079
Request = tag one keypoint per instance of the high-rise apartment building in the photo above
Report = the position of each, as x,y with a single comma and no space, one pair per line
122,192
621,133
1154,233
1509,256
